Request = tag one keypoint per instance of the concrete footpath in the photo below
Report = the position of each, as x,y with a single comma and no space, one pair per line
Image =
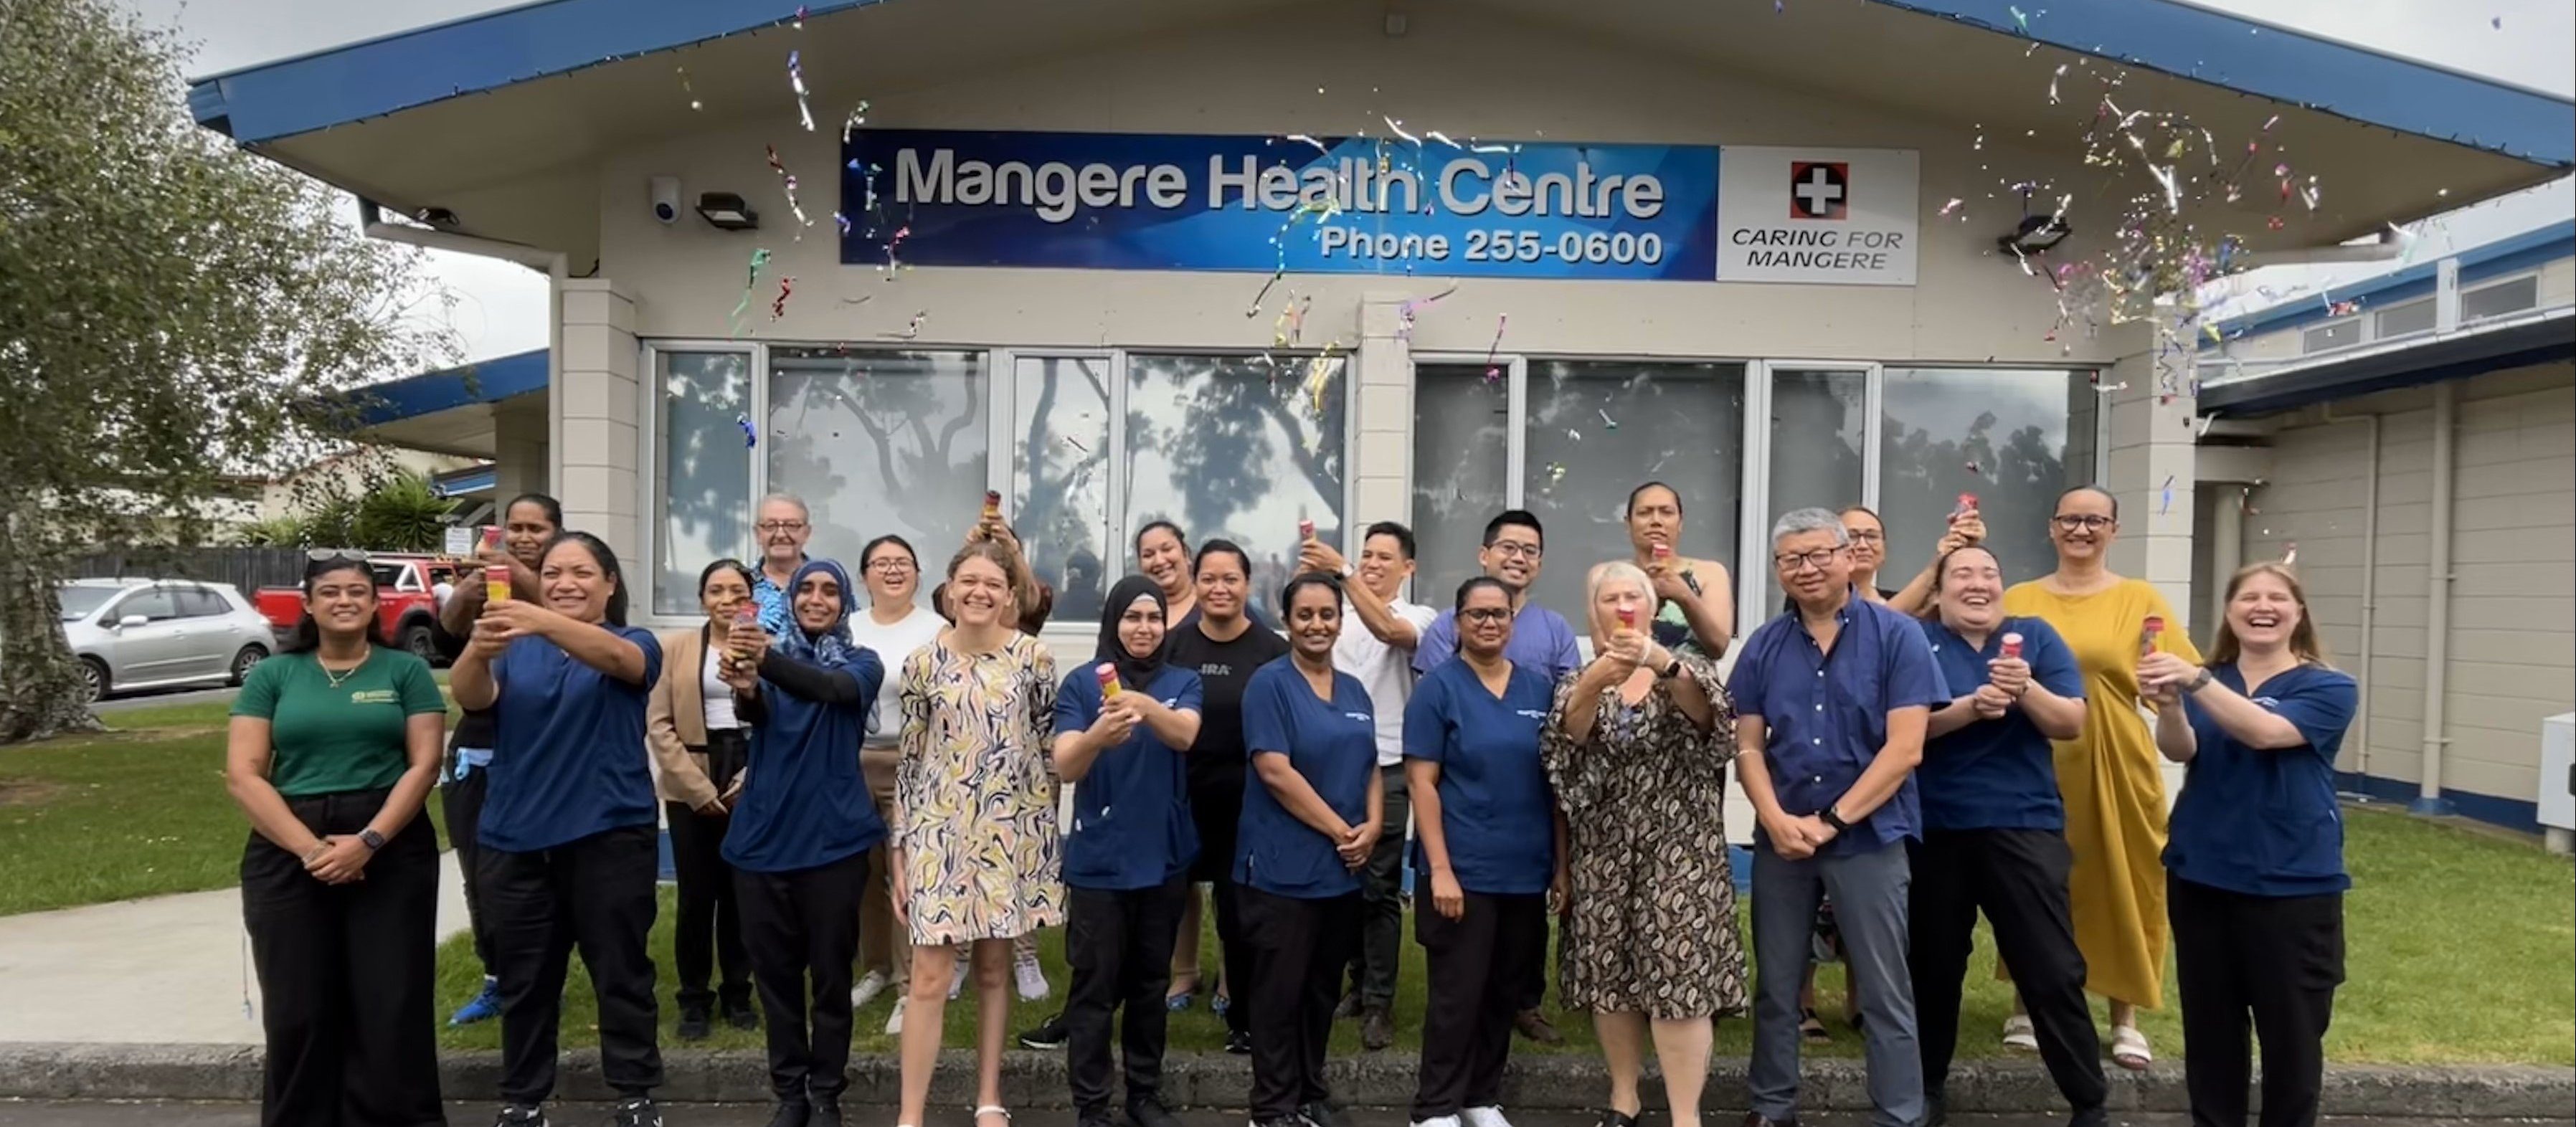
752,1115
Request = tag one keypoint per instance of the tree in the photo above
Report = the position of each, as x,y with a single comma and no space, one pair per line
169,309
403,514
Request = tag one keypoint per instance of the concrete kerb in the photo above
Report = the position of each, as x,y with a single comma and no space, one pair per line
56,1071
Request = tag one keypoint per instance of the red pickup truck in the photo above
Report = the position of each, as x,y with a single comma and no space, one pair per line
406,598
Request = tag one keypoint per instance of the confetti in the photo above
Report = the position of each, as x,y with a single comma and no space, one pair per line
685,88
858,117
751,280
787,184
1607,423
1494,371
778,306
2292,555
2165,504
750,433
911,331
798,20
796,82
2020,21
1951,206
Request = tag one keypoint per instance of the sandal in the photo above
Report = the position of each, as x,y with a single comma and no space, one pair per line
1812,1027
2129,1048
991,1109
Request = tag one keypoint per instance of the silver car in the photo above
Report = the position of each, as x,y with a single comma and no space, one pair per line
146,634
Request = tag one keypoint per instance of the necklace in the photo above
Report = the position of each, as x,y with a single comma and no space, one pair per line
341,677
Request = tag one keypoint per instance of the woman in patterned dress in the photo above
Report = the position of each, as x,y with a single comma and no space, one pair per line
1636,747
976,855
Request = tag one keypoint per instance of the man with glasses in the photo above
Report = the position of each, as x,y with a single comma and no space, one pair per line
784,526
1541,640
1831,703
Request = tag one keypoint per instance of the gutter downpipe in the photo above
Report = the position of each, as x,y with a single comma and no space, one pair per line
2369,590
2437,606
554,264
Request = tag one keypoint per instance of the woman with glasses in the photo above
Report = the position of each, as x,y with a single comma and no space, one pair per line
2108,775
1636,747
700,745
570,848
332,750
894,626
528,523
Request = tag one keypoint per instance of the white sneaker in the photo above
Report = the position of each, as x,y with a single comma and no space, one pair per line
894,1021
1031,979
1486,1116
1437,1121
2018,1034
869,986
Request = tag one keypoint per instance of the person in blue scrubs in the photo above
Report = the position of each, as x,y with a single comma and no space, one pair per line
801,833
1994,831
1128,851
570,850
1311,816
2254,864
1487,844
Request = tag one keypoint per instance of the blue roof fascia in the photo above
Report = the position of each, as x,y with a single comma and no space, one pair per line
2480,262
2289,66
2520,346
431,392
476,480
473,55
501,48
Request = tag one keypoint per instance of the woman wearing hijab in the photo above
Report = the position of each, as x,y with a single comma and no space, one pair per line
800,839
1121,729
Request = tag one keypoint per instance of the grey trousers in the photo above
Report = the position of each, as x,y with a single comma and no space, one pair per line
1381,945
1869,891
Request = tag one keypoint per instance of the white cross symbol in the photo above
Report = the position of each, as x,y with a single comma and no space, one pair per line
1817,195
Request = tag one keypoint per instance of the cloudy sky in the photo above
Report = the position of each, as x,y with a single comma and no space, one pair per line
501,307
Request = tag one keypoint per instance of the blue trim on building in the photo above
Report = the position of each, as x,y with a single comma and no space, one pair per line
2432,360
477,480
430,392
503,48
2510,813
2478,263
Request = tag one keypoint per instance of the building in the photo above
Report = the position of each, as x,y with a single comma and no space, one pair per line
1244,265
2412,437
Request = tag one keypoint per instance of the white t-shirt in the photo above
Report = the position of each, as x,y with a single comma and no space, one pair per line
1385,671
892,644
716,695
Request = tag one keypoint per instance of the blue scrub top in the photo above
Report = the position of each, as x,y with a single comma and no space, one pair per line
568,757
1131,823
1541,640
805,803
1334,745
2265,823
1995,774
1825,712
1496,809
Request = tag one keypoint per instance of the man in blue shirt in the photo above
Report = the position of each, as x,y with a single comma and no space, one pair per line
1831,701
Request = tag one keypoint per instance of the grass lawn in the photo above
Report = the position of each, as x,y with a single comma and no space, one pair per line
137,811
2458,946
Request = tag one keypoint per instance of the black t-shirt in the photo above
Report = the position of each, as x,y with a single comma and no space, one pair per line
1216,760
477,728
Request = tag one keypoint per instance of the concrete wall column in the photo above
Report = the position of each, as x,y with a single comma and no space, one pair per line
522,458
596,461
2152,443
1382,445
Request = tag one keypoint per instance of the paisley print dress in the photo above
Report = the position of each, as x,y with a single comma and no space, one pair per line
1653,927
977,792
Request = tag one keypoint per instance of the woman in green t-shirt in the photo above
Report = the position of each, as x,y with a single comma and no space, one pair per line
333,749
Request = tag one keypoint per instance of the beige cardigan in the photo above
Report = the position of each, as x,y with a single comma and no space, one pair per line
675,720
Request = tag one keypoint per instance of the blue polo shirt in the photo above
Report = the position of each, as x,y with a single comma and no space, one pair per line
1131,823
1541,641
1334,745
773,601
1826,712
568,757
1496,809
1995,774
2265,823
804,802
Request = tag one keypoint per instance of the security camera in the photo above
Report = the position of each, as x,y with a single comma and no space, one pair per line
666,199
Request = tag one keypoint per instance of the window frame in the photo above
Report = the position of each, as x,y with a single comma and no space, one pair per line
2468,289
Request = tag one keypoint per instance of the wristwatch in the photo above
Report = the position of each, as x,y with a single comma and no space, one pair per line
2200,682
1672,669
1829,817
371,839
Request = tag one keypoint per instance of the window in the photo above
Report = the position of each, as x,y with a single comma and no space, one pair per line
197,602
701,470
1239,447
1598,429
2335,334
1060,484
1461,457
2407,317
1998,433
880,442
2499,299
155,604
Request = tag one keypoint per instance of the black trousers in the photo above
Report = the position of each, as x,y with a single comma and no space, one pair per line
2018,877
2275,958
1299,948
803,928
709,931
1381,946
345,974
463,810
1217,810
1477,965
1120,945
594,893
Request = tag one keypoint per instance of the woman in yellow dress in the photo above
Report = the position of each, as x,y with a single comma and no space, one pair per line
2110,777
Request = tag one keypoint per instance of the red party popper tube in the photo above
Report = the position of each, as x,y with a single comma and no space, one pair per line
496,583
491,538
1967,504
2012,645
2155,625
1305,531
1663,551
1628,617
992,505
1108,681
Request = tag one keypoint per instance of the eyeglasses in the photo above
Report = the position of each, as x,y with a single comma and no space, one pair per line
334,555
1516,549
894,566
769,526
1868,536
1793,561
2072,521
1484,614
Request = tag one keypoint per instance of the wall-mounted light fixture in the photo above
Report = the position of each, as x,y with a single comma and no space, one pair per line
725,211
2035,234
